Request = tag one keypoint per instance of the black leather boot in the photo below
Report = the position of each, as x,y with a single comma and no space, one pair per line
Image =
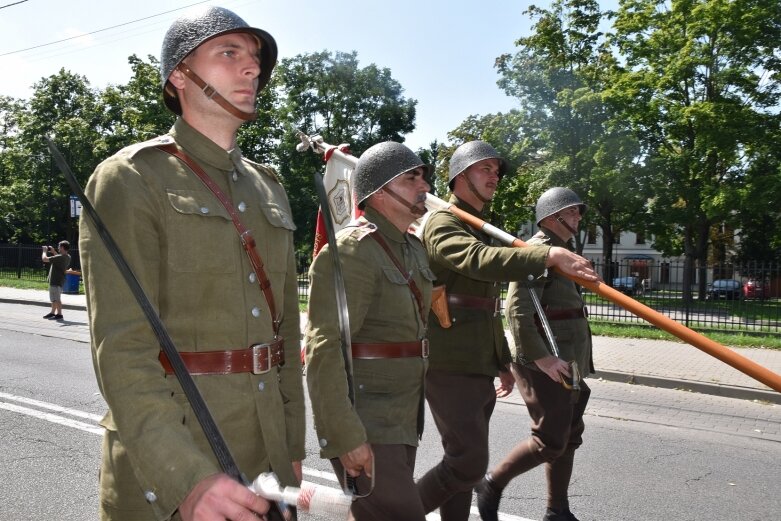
488,497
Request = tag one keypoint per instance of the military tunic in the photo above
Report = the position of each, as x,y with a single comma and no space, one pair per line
467,262
556,292
382,309
183,248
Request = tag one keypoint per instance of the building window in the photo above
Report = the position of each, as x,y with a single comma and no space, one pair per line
640,238
591,234
616,236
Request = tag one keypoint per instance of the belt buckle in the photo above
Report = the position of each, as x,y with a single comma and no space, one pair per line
424,348
497,307
256,352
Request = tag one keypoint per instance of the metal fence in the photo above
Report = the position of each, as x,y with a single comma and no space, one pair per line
738,298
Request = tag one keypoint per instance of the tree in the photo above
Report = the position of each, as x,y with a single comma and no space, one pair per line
572,135
62,107
10,164
329,94
700,86
135,111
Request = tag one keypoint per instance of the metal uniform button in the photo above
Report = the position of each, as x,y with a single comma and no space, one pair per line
323,442
262,386
252,277
204,210
242,206
150,496
360,386
256,312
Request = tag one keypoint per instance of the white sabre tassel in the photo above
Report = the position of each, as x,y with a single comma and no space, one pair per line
309,497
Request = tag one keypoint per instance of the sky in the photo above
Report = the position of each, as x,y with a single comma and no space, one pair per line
441,52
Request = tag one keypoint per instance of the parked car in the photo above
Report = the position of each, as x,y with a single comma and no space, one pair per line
628,285
754,288
728,289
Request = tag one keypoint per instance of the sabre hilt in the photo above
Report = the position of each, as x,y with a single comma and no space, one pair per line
311,498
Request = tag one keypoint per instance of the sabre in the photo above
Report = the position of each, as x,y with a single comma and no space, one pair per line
278,511
716,350
315,143
575,384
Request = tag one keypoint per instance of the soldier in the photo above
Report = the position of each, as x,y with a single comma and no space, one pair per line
466,357
238,339
556,411
388,292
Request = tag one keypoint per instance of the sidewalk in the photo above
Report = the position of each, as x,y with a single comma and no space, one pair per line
654,363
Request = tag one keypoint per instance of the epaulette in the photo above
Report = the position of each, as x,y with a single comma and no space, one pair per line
540,238
359,228
266,169
135,148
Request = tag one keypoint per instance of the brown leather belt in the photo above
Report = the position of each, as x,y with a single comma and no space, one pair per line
469,301
257,359
566,314
391,350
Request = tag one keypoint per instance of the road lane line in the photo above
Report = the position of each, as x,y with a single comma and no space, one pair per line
51,407
67,422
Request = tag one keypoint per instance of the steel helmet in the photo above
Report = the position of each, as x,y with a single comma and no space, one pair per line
193,29
555,200
381,164
470,153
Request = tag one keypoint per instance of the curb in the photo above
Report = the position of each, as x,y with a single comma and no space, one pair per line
40,303
727,391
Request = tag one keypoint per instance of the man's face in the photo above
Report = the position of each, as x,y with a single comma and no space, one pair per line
411,186
572,217
484,176
231,64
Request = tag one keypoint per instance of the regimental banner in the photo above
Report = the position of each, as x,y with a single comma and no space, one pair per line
338,187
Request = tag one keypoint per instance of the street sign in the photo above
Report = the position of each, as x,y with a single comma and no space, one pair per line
75,206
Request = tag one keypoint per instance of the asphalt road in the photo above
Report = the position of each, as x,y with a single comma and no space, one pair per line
649,454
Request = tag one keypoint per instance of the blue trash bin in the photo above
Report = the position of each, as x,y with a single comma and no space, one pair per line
71,285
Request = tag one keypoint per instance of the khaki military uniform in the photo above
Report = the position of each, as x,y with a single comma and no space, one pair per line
466,357
556,412
556,292
185,251
388,406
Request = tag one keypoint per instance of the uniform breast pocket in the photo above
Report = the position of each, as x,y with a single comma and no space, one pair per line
201,236
275,239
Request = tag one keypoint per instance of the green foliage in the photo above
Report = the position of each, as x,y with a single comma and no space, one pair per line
700,88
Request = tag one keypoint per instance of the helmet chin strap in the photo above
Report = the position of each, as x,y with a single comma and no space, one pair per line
414,210
567,226
215,96
473,189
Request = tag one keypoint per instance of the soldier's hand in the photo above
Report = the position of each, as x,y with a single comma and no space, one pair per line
357,460
554,367
219,497
506,384
298,471
570,263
